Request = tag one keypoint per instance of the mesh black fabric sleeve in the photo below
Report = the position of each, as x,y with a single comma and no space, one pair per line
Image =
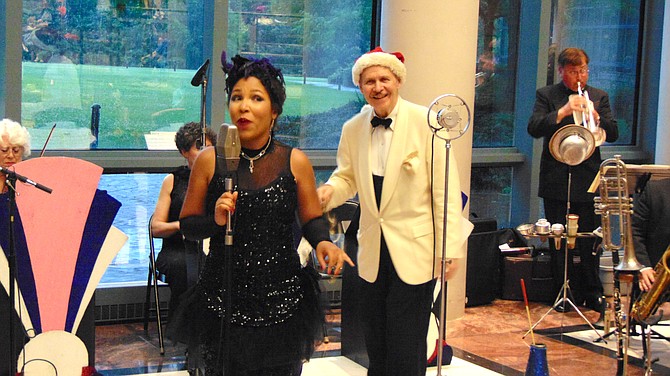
316,231
198,227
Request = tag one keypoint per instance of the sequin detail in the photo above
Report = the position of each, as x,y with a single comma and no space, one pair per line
266,287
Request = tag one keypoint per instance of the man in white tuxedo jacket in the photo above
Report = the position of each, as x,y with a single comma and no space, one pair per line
389,157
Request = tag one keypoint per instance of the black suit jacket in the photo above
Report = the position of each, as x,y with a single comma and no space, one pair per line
651,222
542,123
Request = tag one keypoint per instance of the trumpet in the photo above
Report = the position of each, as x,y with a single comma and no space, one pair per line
585,117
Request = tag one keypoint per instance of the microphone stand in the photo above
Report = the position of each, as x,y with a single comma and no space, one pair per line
224,335
11,178
443,266
200,79
203,110
446,122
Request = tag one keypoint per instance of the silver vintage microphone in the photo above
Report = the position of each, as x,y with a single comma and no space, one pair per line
448,119
228,150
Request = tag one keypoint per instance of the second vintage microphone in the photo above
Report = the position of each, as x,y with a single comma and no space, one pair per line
201,75
228,150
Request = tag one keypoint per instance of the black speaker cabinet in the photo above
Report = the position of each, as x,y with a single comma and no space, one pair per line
483,263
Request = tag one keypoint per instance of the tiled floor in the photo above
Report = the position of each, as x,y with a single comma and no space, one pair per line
489,336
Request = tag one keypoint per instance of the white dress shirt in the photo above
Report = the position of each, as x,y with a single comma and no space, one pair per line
380,144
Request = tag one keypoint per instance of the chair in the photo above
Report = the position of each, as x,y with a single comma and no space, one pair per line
152,282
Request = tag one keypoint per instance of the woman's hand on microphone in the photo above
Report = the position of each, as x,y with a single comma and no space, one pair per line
224,204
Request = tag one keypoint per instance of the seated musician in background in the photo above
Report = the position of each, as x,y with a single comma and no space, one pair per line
14,146
651,228
179,258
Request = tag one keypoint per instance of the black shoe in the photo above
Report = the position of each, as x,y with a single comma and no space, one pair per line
577,298
600,323
563,307
596,303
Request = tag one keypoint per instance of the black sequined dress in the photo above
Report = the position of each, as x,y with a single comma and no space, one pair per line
275,316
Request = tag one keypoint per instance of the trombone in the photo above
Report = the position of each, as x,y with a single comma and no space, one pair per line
615,203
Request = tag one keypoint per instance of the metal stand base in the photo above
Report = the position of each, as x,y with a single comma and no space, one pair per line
562,299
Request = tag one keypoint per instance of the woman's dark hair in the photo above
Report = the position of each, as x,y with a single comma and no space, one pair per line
191,134
271,77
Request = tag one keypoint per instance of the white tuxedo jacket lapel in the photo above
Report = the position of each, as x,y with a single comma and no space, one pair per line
367,187
395,158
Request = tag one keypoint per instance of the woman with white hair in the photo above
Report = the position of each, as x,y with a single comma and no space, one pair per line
14,146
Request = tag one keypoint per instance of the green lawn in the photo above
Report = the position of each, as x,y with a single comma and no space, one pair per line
135,101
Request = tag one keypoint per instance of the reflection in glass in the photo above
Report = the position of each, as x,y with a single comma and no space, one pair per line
496,73
491,193
134,60
608,30
138,194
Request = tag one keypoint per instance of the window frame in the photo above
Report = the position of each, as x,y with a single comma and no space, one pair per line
523,156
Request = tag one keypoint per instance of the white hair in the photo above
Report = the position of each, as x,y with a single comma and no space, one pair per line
16,134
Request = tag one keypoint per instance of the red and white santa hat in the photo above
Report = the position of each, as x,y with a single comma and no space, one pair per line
377,57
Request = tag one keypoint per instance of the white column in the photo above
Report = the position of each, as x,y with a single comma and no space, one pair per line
439,41
662,155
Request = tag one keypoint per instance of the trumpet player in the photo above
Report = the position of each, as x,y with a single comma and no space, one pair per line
554,108
651,228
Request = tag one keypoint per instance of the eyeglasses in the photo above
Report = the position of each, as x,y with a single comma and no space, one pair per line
576,72
16,150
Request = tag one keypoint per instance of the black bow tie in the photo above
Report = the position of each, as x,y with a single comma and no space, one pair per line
386,122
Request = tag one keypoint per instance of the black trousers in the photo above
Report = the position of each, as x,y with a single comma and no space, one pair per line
396,316
584,278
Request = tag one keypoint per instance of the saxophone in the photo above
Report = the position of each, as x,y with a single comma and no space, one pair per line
649,301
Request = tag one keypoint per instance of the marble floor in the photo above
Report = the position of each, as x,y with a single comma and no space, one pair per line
489,336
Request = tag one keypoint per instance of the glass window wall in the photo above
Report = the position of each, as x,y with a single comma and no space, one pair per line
114,74
609,32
